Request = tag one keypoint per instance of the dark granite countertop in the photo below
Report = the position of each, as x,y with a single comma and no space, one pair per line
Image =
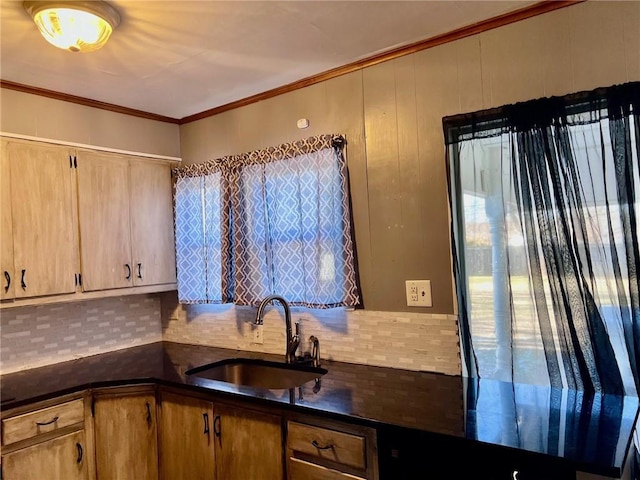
589,432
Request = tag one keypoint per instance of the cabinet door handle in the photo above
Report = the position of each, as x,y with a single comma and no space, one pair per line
128,267
217,426
139,270
205,417
148,412
8,278
53,420
24,285
80,453
321,447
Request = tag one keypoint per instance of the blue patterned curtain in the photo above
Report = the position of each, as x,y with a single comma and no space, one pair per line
292,225
201,230
272,221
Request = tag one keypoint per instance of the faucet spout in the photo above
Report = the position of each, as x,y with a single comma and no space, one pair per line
292,343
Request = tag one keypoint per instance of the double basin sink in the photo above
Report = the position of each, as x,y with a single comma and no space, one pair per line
256,373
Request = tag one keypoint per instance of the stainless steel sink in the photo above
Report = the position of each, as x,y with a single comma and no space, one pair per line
258,373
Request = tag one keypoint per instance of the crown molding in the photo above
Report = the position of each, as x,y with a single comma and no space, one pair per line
87,102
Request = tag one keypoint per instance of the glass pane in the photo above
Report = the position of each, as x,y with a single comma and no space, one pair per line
505,308
190,251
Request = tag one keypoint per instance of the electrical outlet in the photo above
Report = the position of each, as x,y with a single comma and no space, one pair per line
418,293
257,334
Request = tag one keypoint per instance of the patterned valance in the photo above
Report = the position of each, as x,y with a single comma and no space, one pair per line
263,156
201,169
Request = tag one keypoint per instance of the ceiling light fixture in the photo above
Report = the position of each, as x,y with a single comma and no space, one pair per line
76,26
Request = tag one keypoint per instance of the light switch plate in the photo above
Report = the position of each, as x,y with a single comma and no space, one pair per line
418,293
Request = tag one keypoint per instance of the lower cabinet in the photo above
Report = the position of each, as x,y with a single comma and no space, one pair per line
47,441
248,444
324,450
204,440
126,434
62,458
185,438
144,432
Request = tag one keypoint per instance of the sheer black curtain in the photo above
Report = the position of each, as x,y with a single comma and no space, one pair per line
565,178
545,198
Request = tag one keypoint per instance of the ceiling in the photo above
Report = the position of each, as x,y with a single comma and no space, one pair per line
180,58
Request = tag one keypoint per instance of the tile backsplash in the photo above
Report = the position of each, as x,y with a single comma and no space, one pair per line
412,341
41,335
35,336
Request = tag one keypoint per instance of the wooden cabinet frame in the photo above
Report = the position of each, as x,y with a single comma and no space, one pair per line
57,210
38,218
126,221
362,440
125,426
243,413
245,441
185,437
62,440
253,436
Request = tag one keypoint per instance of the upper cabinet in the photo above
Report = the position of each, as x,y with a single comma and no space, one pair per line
39,246
6,226
126,221
103,208
151,213
79,223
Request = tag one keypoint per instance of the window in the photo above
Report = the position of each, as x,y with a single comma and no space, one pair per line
199,227
545,204
285,229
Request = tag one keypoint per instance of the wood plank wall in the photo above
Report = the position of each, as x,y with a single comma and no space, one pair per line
391,114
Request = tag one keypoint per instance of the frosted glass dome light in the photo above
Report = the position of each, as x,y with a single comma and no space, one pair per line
74,26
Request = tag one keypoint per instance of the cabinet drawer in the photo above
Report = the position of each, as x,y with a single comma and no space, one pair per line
301,470
41,421
328,444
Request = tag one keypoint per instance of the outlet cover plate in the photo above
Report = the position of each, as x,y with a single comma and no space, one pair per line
418,293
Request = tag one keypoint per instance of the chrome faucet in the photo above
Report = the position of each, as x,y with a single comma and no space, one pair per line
292,341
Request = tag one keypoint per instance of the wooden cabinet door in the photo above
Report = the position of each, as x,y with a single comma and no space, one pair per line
44,243
62,458
103,205
186,438
151,209
6,232
248,444
125,431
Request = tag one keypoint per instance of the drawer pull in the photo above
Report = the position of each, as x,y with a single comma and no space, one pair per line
320,447
80,453
217,430
205,417
53,420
